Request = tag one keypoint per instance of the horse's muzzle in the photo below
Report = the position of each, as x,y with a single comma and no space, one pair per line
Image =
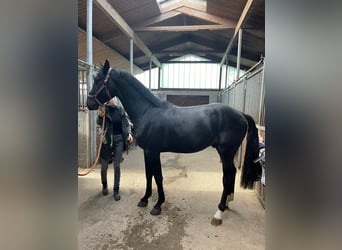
92,104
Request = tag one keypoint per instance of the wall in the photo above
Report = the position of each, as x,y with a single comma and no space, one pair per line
162,94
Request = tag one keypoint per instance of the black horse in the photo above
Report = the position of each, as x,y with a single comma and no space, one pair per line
163,127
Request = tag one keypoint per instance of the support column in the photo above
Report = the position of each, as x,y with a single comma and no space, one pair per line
150,74
238,55
262,93
91,116
226,77
131,55
220,79
159,76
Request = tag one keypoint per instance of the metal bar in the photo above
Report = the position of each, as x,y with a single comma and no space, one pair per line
226,77
80,79
262,94
220,79
131,54
159,77
92,124
90,40
150,75
238,55
243,111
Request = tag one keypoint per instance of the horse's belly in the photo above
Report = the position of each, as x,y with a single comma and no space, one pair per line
177,145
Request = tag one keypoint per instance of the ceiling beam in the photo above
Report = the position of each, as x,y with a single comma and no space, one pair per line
109,36
242,19
164,45
187,51
115,17
183,3
205,16
159,18
185,28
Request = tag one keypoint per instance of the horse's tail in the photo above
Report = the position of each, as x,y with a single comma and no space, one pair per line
251,171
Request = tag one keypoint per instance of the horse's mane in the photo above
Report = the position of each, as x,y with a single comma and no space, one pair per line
145,92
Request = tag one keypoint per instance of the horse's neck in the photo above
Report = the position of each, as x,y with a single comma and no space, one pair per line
135,103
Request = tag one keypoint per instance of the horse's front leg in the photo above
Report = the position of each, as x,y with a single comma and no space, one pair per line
153,168
158,177
148,173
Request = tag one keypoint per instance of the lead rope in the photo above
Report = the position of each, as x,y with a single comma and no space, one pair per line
98,151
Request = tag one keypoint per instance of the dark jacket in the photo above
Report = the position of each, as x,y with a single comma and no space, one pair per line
107,140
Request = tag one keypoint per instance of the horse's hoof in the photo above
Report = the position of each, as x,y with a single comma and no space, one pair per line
142,204
216,222
155,211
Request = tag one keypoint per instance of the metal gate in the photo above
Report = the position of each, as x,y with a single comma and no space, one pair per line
247,94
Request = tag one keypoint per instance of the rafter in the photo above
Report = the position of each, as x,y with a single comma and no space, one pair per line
187,51
242,19
185,27
109,36
160,18
183,3
205,16
125,28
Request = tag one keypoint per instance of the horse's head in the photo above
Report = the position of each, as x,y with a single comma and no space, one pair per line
99,94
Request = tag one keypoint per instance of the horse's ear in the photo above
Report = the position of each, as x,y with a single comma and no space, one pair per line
105,67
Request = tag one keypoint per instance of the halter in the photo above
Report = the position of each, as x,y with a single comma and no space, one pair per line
100,89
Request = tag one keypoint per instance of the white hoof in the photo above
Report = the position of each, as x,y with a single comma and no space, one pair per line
217,219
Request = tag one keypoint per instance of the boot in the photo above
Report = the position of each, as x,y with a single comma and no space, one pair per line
116,194
104,189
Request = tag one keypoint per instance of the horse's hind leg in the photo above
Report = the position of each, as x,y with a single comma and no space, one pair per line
228,181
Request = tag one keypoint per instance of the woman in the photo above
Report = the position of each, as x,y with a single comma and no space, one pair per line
117,135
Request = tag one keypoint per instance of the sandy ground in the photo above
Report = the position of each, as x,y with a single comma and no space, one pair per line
192,185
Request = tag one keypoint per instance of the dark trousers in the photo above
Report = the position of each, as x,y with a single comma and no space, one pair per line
117,151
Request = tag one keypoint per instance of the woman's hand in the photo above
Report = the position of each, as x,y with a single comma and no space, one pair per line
130,138
101,111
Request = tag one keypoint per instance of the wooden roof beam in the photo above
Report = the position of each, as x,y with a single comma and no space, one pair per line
125,28
184,28
242,19
182,3
159,18
187,51
205,16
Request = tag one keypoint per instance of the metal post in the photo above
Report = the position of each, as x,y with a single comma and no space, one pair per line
150,74
159,76
262,93
131,55
92,124
238,55
226,77
220,79
243,111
